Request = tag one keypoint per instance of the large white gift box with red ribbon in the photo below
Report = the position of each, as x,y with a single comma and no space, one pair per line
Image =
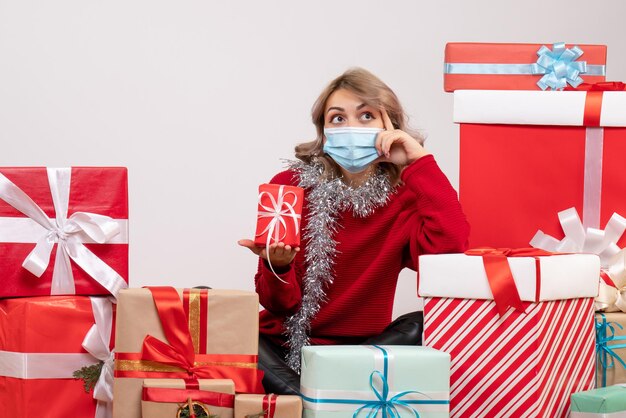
523,352
63,231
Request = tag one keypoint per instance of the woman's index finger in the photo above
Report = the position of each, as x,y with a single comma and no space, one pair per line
386,120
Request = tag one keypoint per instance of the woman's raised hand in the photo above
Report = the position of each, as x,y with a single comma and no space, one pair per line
396,146
280,255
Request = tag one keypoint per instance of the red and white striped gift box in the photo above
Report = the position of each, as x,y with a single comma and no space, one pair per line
523,364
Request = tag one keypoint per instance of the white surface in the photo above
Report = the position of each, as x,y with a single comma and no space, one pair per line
463,276
201,99
535,107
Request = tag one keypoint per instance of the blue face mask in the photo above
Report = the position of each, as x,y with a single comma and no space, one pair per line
351,148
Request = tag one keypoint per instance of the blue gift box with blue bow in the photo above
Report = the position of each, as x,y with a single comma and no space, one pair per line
375,381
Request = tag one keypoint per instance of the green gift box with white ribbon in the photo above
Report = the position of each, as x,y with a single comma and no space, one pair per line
346,381
608,402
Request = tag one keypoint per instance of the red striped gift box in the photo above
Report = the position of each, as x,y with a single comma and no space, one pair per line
526,362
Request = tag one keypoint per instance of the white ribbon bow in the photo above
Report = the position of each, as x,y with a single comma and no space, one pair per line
66,232
96,343
578,240
279,210
613,298
593,241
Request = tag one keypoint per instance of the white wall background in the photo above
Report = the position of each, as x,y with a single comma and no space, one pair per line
201,99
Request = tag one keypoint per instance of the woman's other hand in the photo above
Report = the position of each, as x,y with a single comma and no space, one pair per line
396,146
280,255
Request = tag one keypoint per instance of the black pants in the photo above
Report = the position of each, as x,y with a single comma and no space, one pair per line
280,379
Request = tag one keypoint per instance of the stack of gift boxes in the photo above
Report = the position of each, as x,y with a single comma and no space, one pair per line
73,337
538,147
509,331
62,232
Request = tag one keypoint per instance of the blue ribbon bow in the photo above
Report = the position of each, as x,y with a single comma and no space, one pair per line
387,406
559,67
605,333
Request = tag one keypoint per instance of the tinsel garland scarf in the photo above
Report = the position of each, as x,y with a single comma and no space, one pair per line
326,199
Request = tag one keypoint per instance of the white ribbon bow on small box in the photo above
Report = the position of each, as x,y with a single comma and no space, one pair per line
279,210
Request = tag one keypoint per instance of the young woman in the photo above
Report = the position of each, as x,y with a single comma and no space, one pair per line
375,200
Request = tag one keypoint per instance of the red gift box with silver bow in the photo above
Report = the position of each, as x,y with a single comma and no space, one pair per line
63,231
279,215
43,341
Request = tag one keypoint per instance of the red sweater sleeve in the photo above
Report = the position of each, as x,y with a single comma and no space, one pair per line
275,296
441,225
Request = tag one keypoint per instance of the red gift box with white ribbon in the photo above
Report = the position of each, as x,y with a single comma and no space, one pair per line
279,215
44,340
528,155
63,231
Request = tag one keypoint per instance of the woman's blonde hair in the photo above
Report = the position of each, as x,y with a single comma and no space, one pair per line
373,92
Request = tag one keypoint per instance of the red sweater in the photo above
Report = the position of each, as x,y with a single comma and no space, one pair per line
423,217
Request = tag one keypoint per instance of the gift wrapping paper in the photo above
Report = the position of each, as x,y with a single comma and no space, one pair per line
189,333
63,230
608,402
502,66
268,406
41,345
529,156
279,214
339,381
610,348
162,398
537,278
516,363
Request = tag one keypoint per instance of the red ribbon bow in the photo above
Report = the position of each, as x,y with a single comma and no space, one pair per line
180,353
499,274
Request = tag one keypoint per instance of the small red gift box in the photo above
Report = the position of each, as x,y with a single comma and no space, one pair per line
526,156
41,346
63,231
279,214
491,66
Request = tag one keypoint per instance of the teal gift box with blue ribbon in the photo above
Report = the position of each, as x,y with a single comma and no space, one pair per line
610,348
608,402
375,381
